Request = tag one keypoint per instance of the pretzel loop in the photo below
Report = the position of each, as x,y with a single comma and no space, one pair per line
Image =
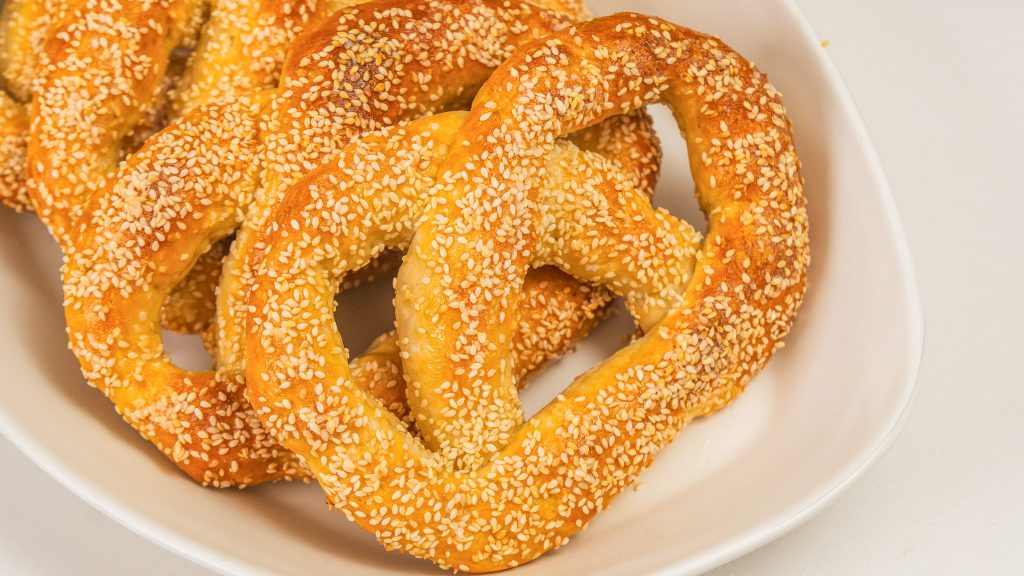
709,334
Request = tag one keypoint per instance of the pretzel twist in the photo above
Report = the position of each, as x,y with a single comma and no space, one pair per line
382,63
191,185
707,339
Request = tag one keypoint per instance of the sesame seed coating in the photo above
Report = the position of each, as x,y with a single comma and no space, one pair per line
182,192
386,62
365,68
556,311
100,68
113,74
456,287
561,467
382,193
148,232
190,187
23,28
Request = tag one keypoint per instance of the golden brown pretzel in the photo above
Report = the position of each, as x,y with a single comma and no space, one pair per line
566,463
300,136
189,187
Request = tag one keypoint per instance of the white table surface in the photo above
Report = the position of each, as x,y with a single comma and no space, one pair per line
939,84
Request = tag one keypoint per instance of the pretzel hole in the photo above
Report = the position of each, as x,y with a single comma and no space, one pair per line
187,351
189,309
675,190
365,310
611,334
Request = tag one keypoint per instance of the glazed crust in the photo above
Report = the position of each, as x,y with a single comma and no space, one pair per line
569,461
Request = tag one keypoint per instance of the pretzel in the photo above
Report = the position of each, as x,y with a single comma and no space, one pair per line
298,138
305,125
190,185
569,461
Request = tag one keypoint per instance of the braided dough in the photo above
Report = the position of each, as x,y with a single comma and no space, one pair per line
569,461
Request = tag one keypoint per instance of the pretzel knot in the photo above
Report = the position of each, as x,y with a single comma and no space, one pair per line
194,183
509,195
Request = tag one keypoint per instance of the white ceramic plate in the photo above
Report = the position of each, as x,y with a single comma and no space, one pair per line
822,412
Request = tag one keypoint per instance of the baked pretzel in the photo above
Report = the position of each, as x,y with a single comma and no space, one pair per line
190,185
299,136
704,342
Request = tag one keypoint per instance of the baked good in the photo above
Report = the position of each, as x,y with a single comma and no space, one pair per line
565,464
196,181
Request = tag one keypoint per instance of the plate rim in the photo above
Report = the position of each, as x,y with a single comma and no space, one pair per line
738,545
784,522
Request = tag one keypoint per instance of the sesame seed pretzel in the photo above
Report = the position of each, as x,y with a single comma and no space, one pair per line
565,464
190,186
361,210
299,136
